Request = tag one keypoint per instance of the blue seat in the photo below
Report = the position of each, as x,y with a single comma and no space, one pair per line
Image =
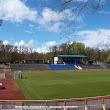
60,67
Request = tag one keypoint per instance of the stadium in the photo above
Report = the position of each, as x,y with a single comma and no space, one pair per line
66,84
53,56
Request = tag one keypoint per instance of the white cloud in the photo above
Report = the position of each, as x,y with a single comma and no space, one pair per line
31,43
79,0
50,44
16,11
52,20
104,12
95,38
29,32
47,19
22,43
49,15
45,47
75,0
31,26
41,50
5,42
53,27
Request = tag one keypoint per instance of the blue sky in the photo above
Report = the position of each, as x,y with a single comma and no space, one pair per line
37,25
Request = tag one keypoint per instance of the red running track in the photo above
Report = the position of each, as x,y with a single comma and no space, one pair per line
12,90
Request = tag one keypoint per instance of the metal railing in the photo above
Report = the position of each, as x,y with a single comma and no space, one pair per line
89,103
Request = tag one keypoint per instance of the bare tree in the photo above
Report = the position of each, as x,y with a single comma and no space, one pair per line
79,8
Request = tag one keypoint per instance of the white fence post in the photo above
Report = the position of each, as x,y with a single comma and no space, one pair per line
103,106
86,107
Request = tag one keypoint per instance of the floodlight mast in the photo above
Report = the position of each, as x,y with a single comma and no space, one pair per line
1,21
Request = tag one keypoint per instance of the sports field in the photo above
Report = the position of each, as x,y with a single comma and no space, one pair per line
42,85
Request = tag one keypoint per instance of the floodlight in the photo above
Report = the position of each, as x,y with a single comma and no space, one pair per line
1,21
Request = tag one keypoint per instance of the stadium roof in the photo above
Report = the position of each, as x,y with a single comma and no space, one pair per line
73,56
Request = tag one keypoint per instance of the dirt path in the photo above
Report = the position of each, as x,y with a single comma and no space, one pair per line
12,91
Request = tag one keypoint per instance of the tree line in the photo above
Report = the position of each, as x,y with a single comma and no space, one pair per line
14,54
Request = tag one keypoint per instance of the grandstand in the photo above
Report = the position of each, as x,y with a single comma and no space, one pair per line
61,62
61,66
29,66
66,62
69,59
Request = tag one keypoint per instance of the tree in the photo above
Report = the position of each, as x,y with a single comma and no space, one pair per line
80,6
64,48
36,55
77,9
108,59
49,56
90,53
55,50
78,48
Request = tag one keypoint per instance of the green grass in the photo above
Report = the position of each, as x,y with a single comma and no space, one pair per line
65,84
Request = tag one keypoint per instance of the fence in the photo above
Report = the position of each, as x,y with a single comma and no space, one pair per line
29,66
93,103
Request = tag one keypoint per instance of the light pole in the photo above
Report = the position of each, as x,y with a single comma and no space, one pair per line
1,21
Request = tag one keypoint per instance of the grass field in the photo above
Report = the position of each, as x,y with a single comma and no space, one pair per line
65,84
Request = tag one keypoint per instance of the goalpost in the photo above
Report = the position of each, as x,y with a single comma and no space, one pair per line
2,76
17,74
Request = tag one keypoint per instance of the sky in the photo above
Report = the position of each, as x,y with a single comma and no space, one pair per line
37,24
